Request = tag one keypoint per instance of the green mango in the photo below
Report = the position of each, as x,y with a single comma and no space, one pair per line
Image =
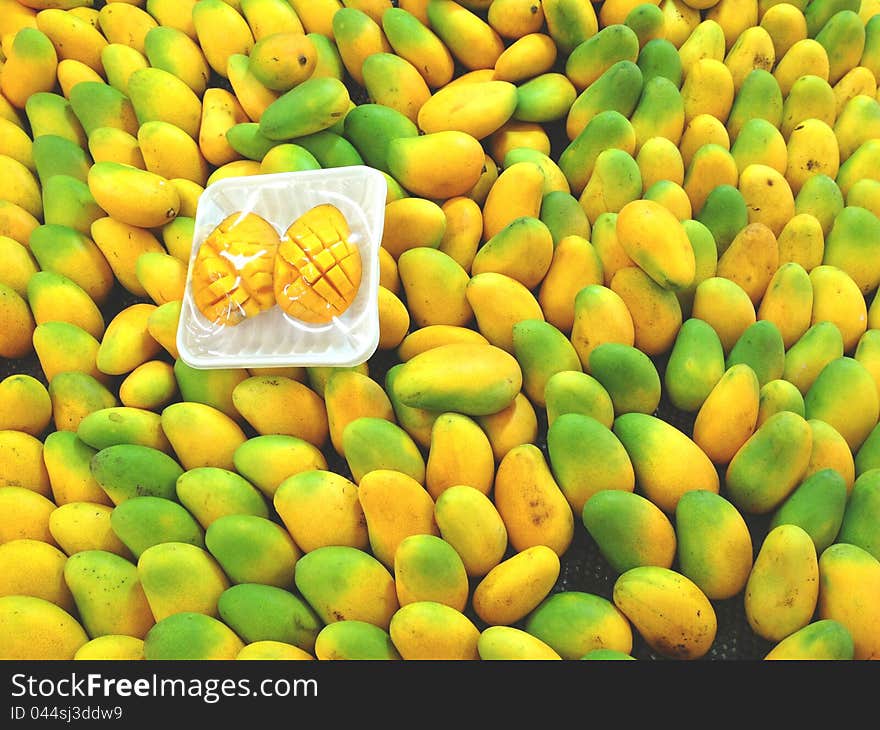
695,365
108,594
249,142
714,547
56,155
860,164
818,12
821,197
779,395
68,201
617,88
659,58
427,568
97,104
341,582
143,521
191,636
212,387
857,121
476,380
564,216
568,23
67,251
861,518
629,529
628,375
725,214
327,149
371,443
586,457
413,39
171,49
267,460
312,106
522,250
615,181
816,505
807,357
128,470
760,347
705,262
351,639
544,98
329,61
574,391
594,56
178,577
318,376
853,244
210,492
871,52
608,654
417,422
371,127
757,142
660,111
844,395
123,425
606,129
50,113
252,549
575,623
807,95
68,461
52,296
758,96
258,612
770,464
541,350
820,640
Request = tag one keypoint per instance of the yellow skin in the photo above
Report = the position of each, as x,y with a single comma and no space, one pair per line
433,630
515,587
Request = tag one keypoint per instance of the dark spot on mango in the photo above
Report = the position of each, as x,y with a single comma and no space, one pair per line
302,60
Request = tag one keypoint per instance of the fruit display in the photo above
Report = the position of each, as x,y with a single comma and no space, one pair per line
625,402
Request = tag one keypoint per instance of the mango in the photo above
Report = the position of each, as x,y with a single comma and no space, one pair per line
34,627
571,391
190,635
617,88
25,404
434,285
108,594
210,492
501,642
427,568
301,499
628,375
418,165
469,521
696,364
123,425
760,347
143,521
307,418
35,568
600,316
850,382
252,549
257,612
473,42
128,470
830,451
352,639
629,530
460,453
783,587
201,435
28,515
522,249
779,395
662,480
109,647
806,358
817,506
150,386
822,639
433,630
500,598
858,526
668,610
362,587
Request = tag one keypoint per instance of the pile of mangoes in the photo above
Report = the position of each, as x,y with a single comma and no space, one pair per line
628,275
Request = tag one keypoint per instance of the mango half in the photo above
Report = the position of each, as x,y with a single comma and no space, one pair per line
317,269
232,271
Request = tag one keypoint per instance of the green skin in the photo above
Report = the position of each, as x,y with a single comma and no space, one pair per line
564,216
545,98
206,490
51,113
371,127
327,149
617,89
571,622
266,613
193,636
577,392
725,214
862,515
127,470
821,197
819,12
143,521
806,358
607,129
759,96
542,351
375,443
47,289
659,57
853,244
82,389
768,466
118,425
809,92
417,422
214,387
840,387
246,139
817,505
103,585
312,106
825,639
353,639
695,365
590,59
626,526
429,566
761,347
780,395
67,201
629,376
54,155
567,24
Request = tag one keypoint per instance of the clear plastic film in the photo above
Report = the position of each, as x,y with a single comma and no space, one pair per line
284,270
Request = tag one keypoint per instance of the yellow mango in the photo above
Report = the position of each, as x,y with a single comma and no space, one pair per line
35,628
516,193
460,453
478,109
201,435
655,311
412,223
303,415
432,630
34,568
